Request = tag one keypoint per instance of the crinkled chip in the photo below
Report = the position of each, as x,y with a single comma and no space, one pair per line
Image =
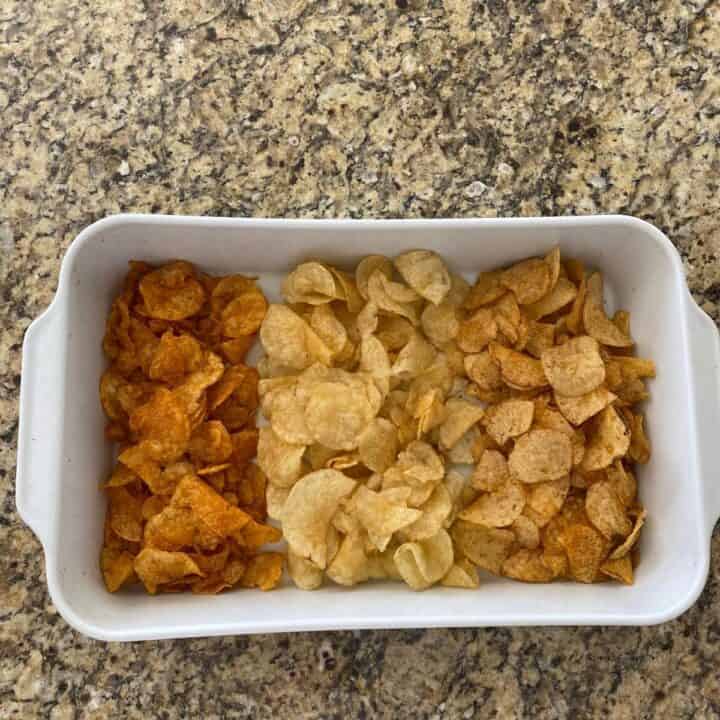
574,368
425,272
172,292
366,267
308,511
541,455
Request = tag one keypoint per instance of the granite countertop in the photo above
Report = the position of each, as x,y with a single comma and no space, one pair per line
364,109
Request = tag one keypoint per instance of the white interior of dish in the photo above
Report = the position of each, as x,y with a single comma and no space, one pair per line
641,274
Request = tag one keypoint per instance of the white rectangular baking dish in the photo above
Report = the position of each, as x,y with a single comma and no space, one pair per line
63,458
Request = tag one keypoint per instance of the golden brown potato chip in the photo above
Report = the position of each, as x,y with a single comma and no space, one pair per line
575,368
526,532
487,289
528,566
210,443
163,426
174,357
172,292
508,419
308,511
596,321
424,562
541,336
378,445
606,511
608,440
156,567
125,513
499,508
620,569
561,295
263,571
541,455
579,409
280,461
462,574
425,272
491,472
623,549
529,280
477,331
486,547
154,505
544,500
244,314
518,370
585,550
484,371
117,568
623,481
235,350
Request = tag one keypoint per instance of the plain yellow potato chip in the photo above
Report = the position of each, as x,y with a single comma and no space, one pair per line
574,368
541,455
312,283
393,297
275,497
434,513
329,329
308,510
378,445
279,460
462,574
425,272
287,416
440,323
366,267
460,416
422,563
304,573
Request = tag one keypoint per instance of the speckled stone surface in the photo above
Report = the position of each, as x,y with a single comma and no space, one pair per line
364,109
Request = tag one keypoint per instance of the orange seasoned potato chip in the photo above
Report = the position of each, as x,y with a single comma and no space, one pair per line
186,506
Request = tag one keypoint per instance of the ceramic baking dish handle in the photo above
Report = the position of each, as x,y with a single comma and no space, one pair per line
39,437
705,348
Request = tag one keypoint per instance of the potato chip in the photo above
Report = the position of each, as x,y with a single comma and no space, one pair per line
279,460
596,321
125,513
290,341
263,571
529,280
526,532
424,562
172,292
210,443
157,567
560,296
312,283
486,547
574,318
487,289
462,574
461,452
492,472
419,463
350,565
518,370
620,569
426,273
440,323
235,350
528,566
275,497
629,542
163,426
639,450
308,511
476,332
544,500
585,550
606,511
414,358
378,445
117,567
379,516
609,439
508,419
484,371
460,416
304,573
366,267
393,297
329,329
540,337
623,482
287,416
575,368
433,514
578,410
541,455
499,508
